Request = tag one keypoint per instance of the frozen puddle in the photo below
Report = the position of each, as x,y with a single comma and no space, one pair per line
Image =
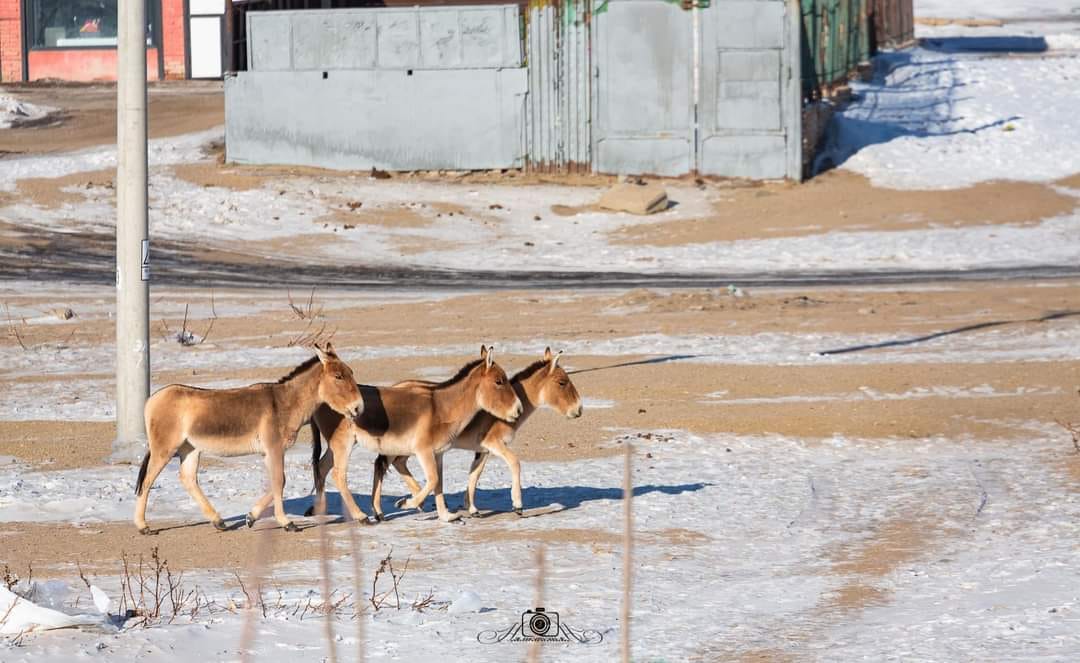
744,543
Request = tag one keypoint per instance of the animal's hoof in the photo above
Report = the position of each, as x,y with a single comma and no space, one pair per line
291,527
400,502
474,514
220,525
144,530
519,511
250,520
379,517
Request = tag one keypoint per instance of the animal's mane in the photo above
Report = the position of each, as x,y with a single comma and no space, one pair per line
461,374
300,369
528,371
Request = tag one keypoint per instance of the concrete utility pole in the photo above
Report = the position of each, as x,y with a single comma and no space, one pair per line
132,241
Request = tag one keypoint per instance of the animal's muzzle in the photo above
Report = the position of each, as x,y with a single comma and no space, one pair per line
515,413
575,414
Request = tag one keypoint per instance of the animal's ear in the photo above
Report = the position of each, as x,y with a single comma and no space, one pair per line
547,354
489,357
329,349
554,360
483,351
324,357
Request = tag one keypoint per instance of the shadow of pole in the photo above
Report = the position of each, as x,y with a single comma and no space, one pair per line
1056,315
640,362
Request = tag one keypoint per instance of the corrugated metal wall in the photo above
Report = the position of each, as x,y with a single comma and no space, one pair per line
559,58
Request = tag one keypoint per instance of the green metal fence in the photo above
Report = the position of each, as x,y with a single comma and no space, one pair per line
839,34
836,38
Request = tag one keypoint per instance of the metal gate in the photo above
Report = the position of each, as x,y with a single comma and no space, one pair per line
712,88
644,102
749,110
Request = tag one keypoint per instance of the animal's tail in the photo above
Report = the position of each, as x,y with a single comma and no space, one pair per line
316,451
382,464
142,474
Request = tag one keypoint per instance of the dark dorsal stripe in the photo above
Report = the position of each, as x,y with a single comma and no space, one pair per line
461,375
300,369
527,372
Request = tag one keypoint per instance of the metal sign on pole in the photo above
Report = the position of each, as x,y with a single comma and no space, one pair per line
132,241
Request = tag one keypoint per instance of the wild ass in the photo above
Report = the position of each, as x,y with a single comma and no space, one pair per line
411,421
260,418
541,384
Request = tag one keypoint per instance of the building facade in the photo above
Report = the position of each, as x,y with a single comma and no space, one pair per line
75,40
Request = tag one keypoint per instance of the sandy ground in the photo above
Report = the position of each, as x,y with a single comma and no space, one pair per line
844,201
643,392
630,396
87,115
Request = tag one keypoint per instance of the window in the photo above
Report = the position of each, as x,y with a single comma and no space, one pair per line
81,23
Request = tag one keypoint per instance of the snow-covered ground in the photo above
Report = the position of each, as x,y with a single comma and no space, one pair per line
917,128
14,112
773,519
934,119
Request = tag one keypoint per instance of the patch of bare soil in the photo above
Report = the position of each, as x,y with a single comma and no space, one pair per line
57,445
87,115
354,213
897,541
54,548
49,192
213,174
1072,181
844,201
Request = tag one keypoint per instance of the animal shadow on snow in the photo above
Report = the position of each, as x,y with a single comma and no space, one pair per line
498,499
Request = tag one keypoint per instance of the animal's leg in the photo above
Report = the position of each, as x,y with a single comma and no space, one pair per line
340,449
445,515
275,468
189,476
378,474
260,506
318,507
500,449
155,461
401,464
478,463
431,478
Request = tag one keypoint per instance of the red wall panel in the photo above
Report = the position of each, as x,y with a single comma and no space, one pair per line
83,64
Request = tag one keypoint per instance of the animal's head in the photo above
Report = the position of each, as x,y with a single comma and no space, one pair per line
337,387
494,393
556,391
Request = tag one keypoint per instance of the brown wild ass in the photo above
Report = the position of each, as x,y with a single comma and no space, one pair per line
260,418
411,421
541,384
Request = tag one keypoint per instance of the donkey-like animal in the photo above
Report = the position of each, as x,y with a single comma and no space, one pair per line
541,384
261,418
411,421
